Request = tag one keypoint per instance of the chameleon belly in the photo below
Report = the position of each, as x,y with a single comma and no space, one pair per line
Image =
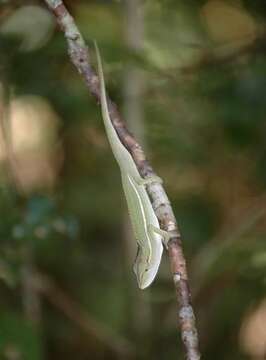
150,244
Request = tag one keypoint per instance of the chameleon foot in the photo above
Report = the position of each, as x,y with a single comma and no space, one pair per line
164,234
149,180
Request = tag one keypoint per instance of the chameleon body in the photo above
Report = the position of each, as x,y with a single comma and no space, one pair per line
144,221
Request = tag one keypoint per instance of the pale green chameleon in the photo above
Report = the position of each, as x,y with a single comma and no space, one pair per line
145,224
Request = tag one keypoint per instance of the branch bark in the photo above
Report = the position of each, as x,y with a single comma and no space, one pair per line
79,56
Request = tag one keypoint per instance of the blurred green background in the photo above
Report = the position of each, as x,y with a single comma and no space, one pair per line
190,77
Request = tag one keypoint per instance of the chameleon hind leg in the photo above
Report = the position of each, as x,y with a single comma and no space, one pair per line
164,234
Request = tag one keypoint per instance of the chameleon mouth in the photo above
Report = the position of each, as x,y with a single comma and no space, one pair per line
142,284
144,281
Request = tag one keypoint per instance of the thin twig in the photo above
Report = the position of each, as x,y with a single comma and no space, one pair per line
133,91
30,298
221,55
60,299
213,57
5,130
245,222
79,55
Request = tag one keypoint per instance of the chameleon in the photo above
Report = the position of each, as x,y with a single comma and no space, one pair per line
144,222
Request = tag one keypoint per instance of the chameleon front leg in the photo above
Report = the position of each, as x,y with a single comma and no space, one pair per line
164,234
149,180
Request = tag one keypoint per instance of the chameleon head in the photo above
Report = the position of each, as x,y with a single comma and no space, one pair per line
144,273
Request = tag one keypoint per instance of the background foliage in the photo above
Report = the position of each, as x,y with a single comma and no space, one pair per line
67,287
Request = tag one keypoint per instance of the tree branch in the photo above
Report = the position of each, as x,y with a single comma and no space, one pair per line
79,55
